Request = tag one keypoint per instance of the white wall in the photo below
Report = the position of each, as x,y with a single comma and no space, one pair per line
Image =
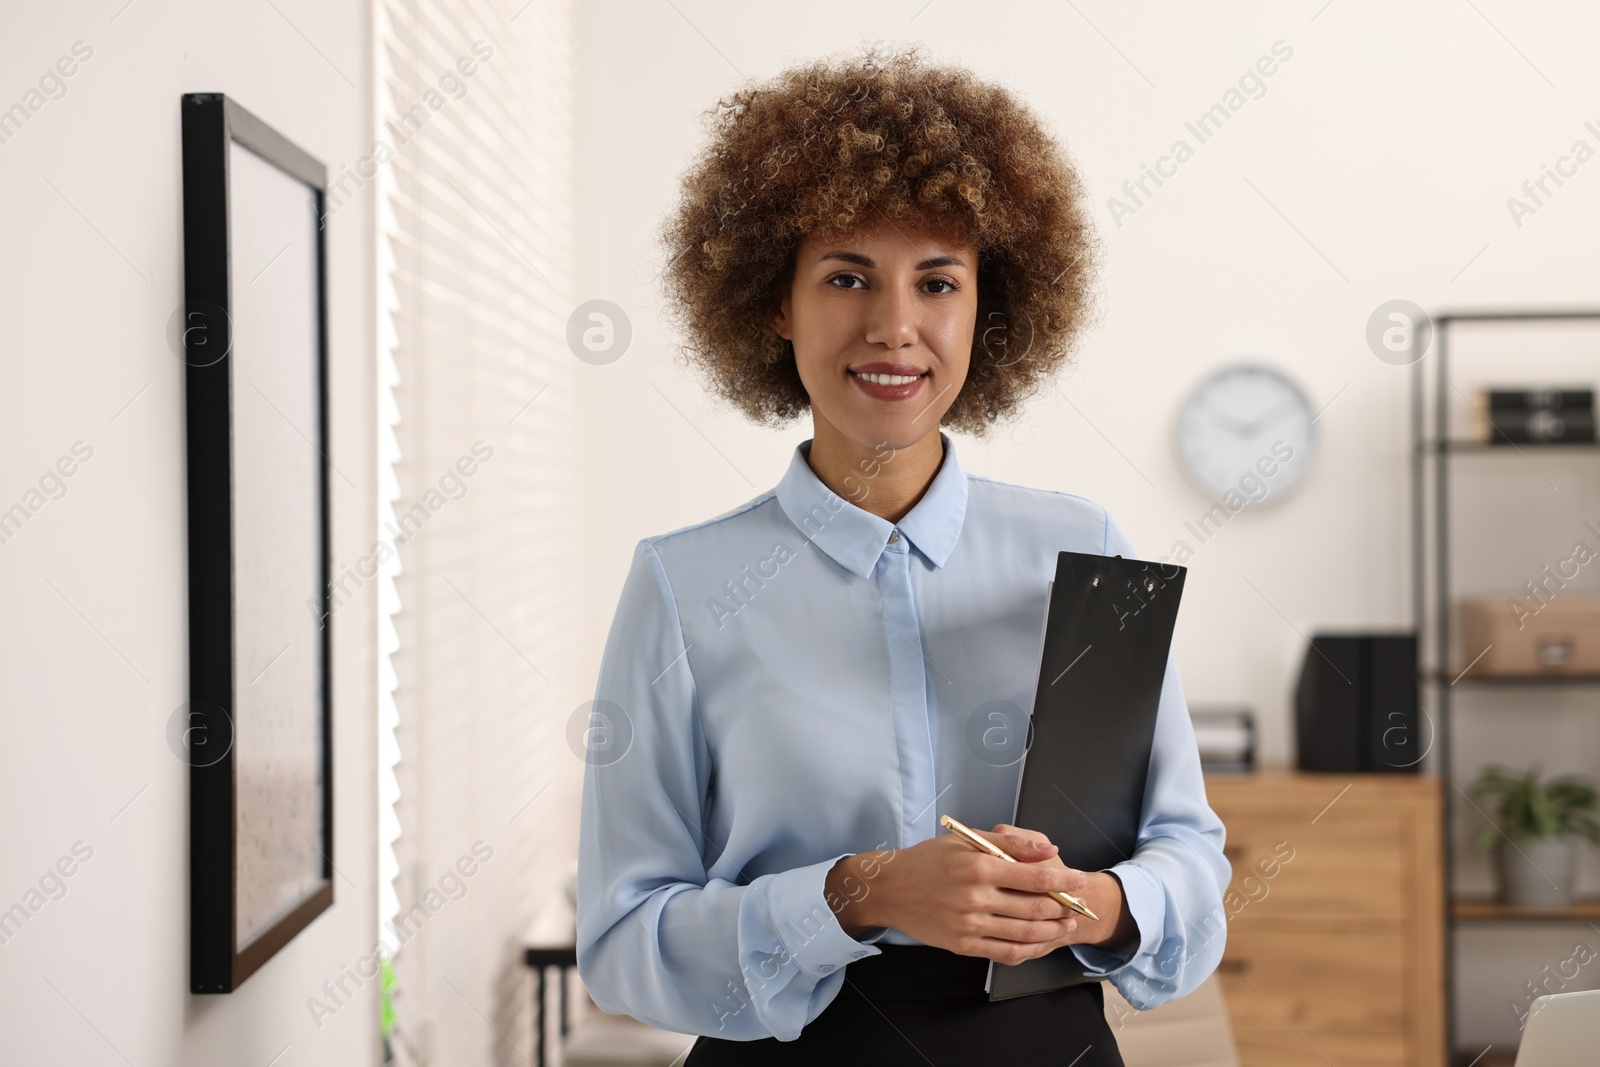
1376,166
93,638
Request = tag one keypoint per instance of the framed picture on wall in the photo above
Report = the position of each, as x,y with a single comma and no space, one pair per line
258,739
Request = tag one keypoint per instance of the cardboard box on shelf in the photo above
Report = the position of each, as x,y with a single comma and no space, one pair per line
1519,637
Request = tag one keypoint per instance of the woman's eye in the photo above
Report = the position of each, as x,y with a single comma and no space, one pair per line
855,281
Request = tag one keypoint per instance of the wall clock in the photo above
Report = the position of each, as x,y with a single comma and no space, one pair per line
1246,429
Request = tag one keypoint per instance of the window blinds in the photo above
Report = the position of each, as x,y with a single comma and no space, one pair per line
471,170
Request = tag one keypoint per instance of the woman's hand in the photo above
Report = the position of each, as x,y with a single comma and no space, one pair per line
946,893
1115,929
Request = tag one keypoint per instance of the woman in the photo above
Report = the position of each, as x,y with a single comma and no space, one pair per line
791,690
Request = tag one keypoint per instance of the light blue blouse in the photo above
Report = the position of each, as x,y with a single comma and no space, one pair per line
799,679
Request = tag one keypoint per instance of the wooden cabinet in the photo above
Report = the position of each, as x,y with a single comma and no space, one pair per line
1335,919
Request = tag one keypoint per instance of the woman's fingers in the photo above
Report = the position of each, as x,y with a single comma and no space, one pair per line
1011,953
1036,877
1029,931
1025,845
979,905
1018,904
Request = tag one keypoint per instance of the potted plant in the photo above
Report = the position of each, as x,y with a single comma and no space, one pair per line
1535,832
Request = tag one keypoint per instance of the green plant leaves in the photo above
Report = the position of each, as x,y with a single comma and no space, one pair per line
1528,808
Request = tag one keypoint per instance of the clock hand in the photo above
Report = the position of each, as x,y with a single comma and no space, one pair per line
1272,415
1232,425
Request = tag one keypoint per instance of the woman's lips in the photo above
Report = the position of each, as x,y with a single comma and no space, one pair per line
882,391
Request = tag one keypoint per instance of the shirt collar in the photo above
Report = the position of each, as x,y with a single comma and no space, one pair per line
854,537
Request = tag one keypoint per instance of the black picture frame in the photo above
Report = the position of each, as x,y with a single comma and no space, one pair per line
225,726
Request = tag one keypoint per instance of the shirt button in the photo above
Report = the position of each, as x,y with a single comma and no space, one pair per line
894,536
825,968
857,955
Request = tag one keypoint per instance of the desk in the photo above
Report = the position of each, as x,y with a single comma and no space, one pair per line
1335,953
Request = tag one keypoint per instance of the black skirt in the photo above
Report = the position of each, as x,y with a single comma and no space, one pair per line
918,1005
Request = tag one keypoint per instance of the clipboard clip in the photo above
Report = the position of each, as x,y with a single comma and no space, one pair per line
1095,581
1149,584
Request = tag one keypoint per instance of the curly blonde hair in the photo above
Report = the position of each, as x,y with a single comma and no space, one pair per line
832,145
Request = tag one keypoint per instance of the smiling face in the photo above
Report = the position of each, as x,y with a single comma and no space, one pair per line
881,320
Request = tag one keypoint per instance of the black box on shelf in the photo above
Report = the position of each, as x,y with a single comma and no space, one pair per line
1356,705
1541,426
1507,416
1571,399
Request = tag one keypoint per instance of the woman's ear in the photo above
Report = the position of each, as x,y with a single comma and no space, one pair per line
781,320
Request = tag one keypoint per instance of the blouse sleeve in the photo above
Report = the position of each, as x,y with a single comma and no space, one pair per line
1177,875
658,938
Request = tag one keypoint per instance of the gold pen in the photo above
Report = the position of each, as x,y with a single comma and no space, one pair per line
983,844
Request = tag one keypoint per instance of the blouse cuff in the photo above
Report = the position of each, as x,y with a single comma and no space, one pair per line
1145,900
807,926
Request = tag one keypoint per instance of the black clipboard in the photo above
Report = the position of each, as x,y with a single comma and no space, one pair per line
1103,658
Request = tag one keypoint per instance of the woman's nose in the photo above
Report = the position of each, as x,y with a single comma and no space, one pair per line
893,320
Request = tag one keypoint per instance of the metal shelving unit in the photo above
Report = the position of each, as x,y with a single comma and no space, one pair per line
1433,455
